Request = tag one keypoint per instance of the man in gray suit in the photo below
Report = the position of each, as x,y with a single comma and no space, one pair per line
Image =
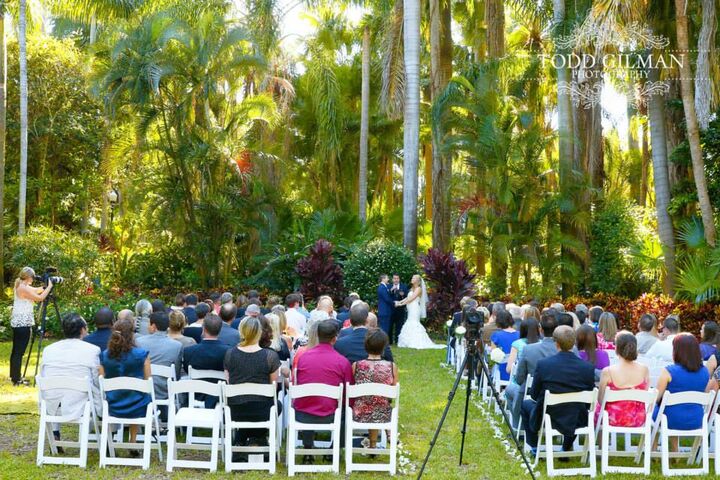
163,350
529,357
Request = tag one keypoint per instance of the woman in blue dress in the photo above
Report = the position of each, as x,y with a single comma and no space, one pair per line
503,338
123,359
686,374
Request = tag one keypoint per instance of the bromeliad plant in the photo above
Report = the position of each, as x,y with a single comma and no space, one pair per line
320,274
450,281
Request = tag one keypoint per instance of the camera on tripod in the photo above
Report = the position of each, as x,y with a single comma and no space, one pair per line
473,321
49,275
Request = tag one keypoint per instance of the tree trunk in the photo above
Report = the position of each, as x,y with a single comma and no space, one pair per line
22,43
686,85
656,118
364,125
428,160
3,117
644,165
411,120
495,24
566,143
703,83
440,72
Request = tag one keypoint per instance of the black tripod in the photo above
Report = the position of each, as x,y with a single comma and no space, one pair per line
39,332
471,357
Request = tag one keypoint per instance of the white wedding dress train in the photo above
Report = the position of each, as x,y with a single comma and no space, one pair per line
413,333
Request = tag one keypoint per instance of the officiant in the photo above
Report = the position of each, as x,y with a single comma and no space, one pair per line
398,292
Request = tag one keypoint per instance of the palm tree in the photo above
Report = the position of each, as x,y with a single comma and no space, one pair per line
693,131
364,125
703,84
3,117
22,42
411,122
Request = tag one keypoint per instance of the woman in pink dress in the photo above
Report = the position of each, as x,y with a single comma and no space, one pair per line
373,409
627,374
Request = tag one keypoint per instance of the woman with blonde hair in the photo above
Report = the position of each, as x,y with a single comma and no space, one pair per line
607,329
22,318
277,342
176,326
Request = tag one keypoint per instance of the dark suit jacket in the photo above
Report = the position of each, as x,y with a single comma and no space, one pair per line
399,295
99,338
344,332
206,355
564,372
228,335
386,303
190,314
193,332
352,346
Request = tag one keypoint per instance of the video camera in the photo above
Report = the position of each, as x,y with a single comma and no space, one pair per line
473,322
49,275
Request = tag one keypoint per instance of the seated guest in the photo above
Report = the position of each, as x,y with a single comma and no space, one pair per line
559,307
529,334
564,372
191,301
175,329
126,314
647,335
249,363
123,359
374,369
209,354
594,316
528,358
215,299
344,312
607,329
278,342
143,309
663,350
321,364
588,351
179,303
325,304
253,296
709,335
312,341
503,338
686,374
162,350
564,318
195,329
296,320
241,303
158,306
627,374
103,324
71,357
279,311
228,335
252,310
528,311
352,345
457,316
490,325
226,297
272,302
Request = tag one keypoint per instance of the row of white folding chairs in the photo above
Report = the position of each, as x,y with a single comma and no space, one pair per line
707,434
197,416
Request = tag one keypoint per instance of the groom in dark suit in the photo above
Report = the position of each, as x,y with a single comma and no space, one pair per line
386,304
399,292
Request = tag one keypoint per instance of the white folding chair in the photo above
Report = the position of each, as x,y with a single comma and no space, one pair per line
199,374
704,399
294,426
714,429
167,372
391,392
548,433
526,396
283,399
151,416
81,385
647,398
272,450
192,416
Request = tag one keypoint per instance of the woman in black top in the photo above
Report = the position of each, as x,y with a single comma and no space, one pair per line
250,363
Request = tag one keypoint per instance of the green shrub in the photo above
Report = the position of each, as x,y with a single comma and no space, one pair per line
77,258
363,267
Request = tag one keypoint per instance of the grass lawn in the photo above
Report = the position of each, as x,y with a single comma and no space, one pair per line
424,388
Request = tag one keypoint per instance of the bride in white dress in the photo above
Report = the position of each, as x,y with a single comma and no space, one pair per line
413,334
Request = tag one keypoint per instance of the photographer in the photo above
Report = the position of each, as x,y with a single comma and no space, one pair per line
23,319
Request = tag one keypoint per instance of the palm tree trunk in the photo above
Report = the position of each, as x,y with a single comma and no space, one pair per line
686,85
22,43
3,116
703,83
495,24
565,134
440,72
411,120
644,165
658,141
364,125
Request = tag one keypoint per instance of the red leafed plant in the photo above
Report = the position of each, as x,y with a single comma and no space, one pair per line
449,281
319,273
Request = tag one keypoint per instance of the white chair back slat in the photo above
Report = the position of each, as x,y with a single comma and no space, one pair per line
315,390
700,398
127,383
63,383
373,389
163,370
198,374
194,387
574,397
259,389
